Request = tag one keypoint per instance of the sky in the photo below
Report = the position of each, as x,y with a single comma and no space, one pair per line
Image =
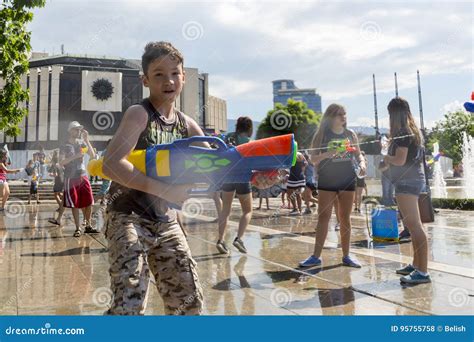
333,46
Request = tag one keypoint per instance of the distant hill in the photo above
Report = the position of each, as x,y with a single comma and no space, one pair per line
365,130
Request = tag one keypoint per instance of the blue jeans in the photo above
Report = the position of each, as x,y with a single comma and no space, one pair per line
387,191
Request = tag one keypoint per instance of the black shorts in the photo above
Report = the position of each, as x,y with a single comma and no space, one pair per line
337,185
360,182
58,186
337,177
33,188
239,188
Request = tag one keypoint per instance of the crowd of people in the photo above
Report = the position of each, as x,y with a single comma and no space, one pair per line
143,230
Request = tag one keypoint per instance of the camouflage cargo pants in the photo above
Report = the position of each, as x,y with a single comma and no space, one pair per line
138,246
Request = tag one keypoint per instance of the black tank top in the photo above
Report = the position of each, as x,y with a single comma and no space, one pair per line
159,130
296,171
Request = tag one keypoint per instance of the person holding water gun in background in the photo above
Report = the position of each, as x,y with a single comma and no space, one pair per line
141,227
334,149
77,188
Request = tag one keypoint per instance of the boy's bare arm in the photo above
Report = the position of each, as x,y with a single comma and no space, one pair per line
119,169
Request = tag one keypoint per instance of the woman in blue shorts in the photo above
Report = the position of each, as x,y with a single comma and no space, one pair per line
405,165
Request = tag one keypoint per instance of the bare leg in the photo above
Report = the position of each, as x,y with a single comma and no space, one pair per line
6,193
326,201
298,200
227,198
75,215
218,202
246,204
291,198
408,205
336,208
345,199
88,215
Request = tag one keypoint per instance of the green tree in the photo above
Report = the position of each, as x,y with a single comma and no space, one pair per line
294,117
448,133
14,49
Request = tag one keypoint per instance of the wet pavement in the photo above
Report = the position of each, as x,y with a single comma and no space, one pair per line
46,271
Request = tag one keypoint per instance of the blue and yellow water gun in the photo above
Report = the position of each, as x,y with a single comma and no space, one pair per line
181,163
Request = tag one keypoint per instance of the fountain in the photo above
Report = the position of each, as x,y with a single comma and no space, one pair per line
468,165
439,184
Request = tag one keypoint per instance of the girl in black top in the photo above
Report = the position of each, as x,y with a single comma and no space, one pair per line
336,179
243,132
405,165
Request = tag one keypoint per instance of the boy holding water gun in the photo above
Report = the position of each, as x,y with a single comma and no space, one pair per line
141,228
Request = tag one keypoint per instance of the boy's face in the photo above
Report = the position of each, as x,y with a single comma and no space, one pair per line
165,78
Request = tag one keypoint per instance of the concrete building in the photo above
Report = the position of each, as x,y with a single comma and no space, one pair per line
286,89
96,92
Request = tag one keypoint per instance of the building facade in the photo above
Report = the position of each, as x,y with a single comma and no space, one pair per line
96,92
286,89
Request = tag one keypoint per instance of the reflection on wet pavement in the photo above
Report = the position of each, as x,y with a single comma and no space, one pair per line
46,271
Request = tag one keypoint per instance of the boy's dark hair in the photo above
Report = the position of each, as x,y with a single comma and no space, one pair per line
155,50
244,125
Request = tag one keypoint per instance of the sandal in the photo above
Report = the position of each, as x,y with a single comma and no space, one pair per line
54,221
77,233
